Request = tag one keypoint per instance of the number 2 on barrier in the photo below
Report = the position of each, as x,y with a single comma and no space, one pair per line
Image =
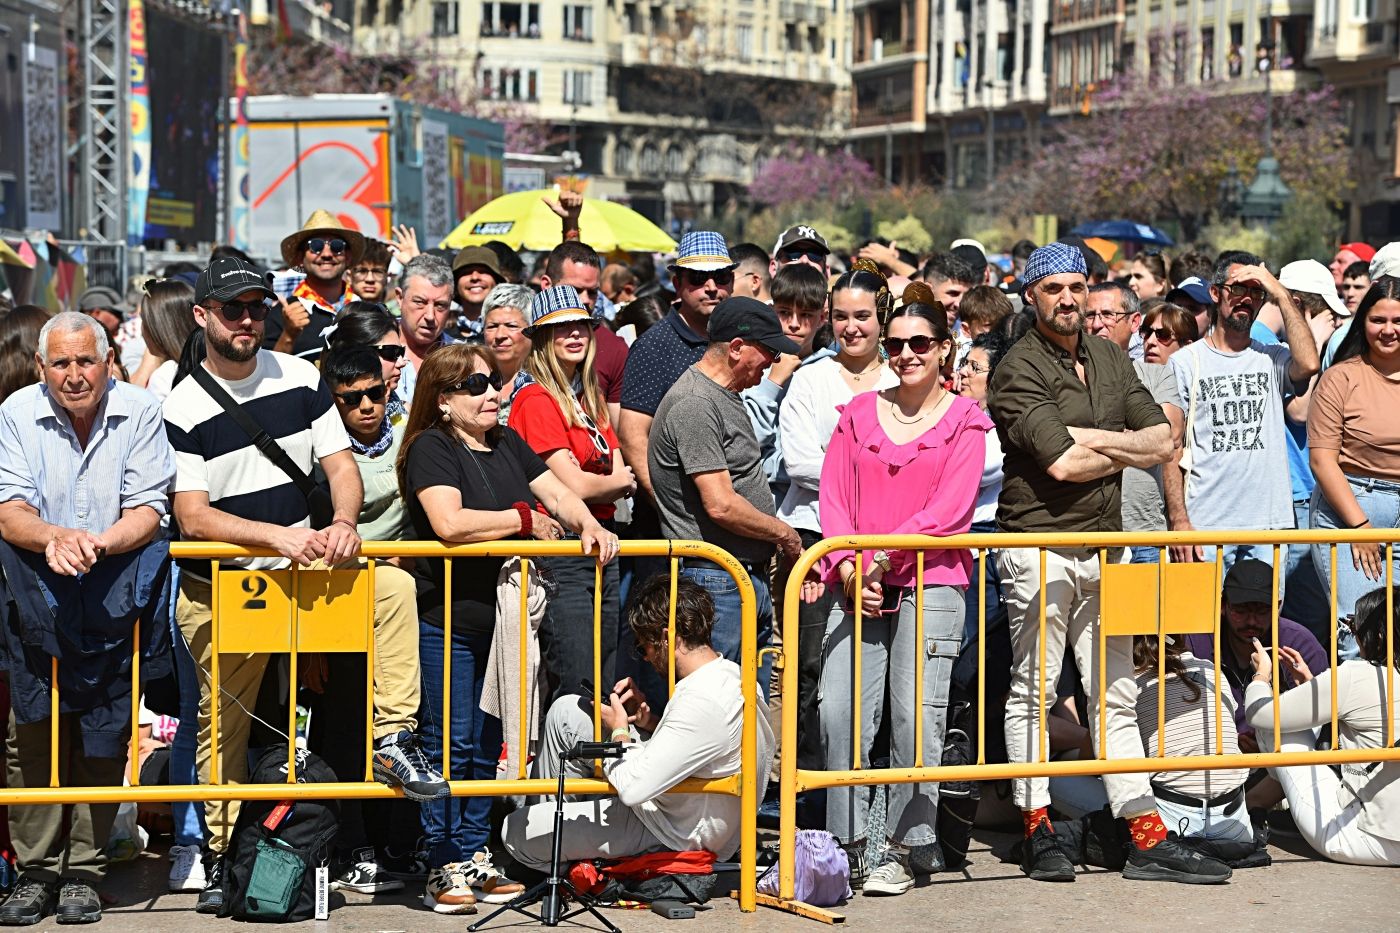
255,610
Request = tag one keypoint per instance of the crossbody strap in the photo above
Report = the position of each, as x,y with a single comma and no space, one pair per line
268,447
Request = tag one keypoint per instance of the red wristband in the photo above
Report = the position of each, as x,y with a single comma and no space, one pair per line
527,518
571,233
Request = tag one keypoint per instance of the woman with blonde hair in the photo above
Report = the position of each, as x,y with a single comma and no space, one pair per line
559,410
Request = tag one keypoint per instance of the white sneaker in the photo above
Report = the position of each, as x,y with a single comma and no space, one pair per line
186,869
892,877
487,884
447,891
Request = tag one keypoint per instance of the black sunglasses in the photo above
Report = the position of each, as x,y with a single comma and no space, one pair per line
919,344
391,352
476,384
318,243
233,311
698,277
792,255
1163,334
353,399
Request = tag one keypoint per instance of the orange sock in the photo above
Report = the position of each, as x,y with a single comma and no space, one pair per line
1034,818
1147,830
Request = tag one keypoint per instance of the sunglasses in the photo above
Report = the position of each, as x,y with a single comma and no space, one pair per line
391,352
793,255
919,344
234,311
698,277
374,393
476,384
1163,334
1239,291
317,243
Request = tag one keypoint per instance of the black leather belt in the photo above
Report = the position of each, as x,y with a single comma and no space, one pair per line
1230,800
700,563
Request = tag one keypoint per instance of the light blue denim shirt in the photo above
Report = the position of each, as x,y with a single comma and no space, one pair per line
127,463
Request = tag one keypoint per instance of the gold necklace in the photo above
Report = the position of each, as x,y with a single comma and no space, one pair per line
894,410
864,372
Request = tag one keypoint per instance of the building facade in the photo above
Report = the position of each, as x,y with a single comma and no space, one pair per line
670,105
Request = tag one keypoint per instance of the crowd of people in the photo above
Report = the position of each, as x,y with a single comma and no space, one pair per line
756,400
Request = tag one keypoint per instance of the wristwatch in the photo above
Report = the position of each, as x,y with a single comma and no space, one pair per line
882,560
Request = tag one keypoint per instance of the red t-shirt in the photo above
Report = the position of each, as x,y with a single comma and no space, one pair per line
536,417
609,360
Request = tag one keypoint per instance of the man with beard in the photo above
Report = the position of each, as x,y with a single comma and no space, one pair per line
1071,414
323,250
1233,389
227,489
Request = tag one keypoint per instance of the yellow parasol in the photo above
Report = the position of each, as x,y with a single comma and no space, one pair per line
523,221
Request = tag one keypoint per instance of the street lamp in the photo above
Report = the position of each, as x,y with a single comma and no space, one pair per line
1264,199
1231,191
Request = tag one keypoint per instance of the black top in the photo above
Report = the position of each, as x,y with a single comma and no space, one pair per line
489,481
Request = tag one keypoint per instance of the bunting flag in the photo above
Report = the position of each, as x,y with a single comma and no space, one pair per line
138,184
240,232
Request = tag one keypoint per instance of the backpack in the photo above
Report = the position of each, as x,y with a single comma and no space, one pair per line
688,877
280,849
822,867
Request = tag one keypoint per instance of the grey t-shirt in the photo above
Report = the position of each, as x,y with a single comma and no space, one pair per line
1239,471
1143,509
702,427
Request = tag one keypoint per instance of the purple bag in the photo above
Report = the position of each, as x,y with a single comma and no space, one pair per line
823,871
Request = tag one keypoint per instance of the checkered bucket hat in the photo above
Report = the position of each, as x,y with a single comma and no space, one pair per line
557,305
703,250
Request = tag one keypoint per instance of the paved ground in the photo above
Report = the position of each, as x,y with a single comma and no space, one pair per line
1297,892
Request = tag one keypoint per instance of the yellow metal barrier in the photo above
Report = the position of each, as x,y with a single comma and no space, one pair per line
1136,599
321,610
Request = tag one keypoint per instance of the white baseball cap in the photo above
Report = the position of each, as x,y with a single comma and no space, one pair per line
1386,261
1313,278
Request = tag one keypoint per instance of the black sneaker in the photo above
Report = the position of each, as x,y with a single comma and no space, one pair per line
365,875
78,903
1169,860
28,904
211,899
859,865
408,866
1043,858
399,762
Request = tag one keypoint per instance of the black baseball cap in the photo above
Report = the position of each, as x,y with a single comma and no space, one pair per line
228,277
749,319
1249,581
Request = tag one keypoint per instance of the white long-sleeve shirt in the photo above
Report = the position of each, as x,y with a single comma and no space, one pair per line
1361,722
807,419
699,736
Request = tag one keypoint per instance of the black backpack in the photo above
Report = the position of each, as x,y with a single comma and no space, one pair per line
270,869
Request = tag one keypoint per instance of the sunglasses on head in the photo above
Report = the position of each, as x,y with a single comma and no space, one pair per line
919,344
233,311
374,393
698,277
391,352
317,243
1163,335
793,255
476,384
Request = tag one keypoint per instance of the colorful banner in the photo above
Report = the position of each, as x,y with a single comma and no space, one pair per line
240,232
138,184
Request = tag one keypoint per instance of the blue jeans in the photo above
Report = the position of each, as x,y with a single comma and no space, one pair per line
889,660
728,636
1380,500
187,817
1308,601
457,827
1145,554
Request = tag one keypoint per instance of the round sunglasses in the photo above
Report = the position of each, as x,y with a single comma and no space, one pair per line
317,243
919,344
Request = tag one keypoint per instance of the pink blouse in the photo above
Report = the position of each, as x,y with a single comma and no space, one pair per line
871,485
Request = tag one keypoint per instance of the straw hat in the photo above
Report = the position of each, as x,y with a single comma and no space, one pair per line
322,223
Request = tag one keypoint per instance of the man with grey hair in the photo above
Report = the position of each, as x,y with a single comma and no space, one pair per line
424,294
1115,313
85,471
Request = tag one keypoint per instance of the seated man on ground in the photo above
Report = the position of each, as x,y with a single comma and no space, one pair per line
698,736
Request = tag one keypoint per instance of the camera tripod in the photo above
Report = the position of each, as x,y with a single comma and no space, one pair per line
550,893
